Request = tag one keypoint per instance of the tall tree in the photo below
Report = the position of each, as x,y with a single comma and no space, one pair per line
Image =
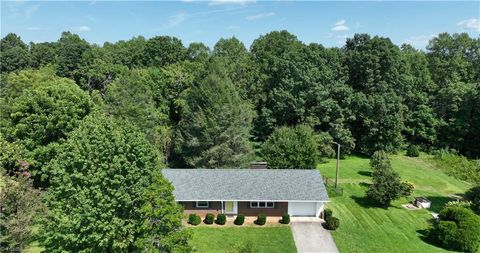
107,194
198,52
14,54
43,53
215,126
303,85
131,98
41,115
454,64
163,50
374,71
70,52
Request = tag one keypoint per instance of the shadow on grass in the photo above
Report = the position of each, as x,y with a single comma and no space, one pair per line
365,173
425,237
438,202
364,185
365,202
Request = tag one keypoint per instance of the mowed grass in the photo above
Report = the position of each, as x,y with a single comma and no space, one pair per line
264,239
365,228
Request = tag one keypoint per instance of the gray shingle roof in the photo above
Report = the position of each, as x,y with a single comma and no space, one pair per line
246,184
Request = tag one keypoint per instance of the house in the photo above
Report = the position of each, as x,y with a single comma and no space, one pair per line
249,191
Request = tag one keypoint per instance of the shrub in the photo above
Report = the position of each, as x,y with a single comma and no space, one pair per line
413,151
261,219
194,219
473,195
239,220
332,223
457,166
221,219
458,229
209,218
285,218
327,213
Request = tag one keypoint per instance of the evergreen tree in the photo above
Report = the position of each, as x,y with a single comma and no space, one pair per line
387,185
215,126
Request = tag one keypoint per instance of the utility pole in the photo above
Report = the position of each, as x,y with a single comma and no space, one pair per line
338,161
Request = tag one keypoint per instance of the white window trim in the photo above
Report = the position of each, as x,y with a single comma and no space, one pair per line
200,206
265,204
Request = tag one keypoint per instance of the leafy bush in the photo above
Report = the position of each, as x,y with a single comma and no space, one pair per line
457,166
332,223
209,218
295,148
194,219
413,151
457,229
239,220
327,213
261,219
455,203
221,219
473,195
285,218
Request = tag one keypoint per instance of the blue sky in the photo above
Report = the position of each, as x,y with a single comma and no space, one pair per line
328,23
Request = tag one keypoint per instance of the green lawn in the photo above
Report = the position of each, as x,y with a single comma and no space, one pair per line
364,228
265,239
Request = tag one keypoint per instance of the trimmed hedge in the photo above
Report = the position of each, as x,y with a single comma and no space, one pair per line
209,218
239,220
285,218
194,219
261,219
221,219
332,223
413,151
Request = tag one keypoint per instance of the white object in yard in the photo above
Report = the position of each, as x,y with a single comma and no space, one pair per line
305,208
422,202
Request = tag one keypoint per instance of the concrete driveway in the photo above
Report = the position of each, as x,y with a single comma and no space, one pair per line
311,237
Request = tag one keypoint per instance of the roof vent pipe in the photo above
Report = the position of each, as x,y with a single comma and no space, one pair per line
258,165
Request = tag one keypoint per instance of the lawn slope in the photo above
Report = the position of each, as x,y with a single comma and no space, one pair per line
364,228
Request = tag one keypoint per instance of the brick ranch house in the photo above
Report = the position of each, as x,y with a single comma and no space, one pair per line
249,191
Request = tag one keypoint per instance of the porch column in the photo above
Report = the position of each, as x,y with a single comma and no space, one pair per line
222,206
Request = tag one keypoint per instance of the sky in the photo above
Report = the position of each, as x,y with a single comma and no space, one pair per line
324,22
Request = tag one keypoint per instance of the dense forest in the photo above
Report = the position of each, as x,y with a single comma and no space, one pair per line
126,109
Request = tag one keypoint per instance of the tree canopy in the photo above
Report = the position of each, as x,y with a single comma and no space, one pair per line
107,178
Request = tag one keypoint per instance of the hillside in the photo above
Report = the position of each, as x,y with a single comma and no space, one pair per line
365,228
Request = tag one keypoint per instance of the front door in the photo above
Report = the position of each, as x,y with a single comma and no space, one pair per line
230,207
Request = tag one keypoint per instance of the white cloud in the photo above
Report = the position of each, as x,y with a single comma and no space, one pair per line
34,28
470,24
261,15
239,2
82,28
176,19
340,25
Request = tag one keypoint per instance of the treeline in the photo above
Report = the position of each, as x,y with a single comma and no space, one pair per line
94,125
203,107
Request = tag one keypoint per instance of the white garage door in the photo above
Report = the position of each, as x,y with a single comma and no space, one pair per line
302,208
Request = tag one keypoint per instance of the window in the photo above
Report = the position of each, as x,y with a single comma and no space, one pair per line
262,204
201,204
